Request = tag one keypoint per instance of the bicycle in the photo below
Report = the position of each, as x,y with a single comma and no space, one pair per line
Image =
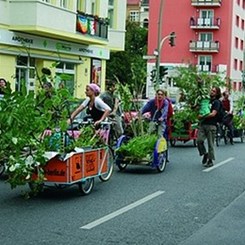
223,130
81,164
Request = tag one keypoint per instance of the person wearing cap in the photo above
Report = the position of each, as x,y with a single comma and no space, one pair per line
95,106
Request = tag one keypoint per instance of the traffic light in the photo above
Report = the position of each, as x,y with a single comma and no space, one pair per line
172,39
162,72
153,75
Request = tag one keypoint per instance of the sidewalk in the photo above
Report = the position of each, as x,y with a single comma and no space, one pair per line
227,228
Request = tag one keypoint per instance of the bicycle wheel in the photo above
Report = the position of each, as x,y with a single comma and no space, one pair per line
86,186
119,159
110,166
162,161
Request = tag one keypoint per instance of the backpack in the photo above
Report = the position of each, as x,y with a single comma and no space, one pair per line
221,113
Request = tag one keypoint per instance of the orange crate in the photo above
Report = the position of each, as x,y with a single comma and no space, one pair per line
90,163
57,170
103,160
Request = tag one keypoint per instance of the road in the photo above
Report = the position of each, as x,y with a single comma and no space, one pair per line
186,204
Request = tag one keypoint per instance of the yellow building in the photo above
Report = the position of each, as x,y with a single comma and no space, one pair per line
73,38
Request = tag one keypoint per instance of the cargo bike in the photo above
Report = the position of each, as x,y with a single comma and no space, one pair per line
156,159
185,134
81,166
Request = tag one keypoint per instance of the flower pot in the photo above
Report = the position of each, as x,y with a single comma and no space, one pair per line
204,107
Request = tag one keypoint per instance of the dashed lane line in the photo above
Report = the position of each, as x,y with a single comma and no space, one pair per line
219,164
122,210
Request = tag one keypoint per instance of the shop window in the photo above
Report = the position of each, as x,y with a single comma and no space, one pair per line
25,73
96,71
65,76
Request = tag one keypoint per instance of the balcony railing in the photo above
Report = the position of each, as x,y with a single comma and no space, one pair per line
92,25
204,23
204,46
212,3
207,68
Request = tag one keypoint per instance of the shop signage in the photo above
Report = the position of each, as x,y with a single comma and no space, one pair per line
48,44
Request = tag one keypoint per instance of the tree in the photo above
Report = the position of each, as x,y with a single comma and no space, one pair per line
128,66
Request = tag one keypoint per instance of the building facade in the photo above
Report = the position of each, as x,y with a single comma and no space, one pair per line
138,11
209,34
73,38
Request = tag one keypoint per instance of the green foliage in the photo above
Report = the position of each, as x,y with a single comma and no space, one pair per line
23,118
138,147
195,88
128,66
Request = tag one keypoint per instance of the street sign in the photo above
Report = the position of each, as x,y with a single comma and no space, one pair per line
149,57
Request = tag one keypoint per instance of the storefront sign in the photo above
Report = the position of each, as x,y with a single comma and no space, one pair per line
48,44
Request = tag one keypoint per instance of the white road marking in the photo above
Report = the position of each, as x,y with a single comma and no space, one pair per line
218,164
121,210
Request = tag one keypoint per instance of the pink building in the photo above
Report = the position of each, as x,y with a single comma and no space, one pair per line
209,34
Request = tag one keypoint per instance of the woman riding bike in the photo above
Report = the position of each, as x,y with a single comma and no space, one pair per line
96,108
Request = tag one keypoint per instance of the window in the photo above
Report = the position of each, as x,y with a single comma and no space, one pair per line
134,16
235,64
241,65
238,2
96,71
242,45
81,5
236,42
207,17
242,25
237,21
145,23
25,73
111,13
63,3
204,63
206,36
65,74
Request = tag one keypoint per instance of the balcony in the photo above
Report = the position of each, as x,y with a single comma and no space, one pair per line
207,68
206,3
92,25
205,23
204,46
44,19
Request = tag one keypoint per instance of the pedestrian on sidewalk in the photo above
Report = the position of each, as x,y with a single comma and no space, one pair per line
207,129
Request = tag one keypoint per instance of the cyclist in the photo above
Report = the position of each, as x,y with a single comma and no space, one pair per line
158,108
227,104
111,98
96,107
